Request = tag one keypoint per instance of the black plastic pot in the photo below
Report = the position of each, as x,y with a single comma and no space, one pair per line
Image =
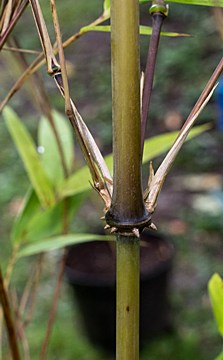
91,273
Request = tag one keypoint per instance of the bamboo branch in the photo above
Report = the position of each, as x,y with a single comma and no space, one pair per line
51,60
88,146
20,325
40,98
10,325
159,13
156,181
28,299
8,274
5,33
23,51
40,61
100,174
22,79
54,306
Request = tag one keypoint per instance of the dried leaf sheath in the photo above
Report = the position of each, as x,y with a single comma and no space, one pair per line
89,148
44,37
10,12
102,179
156,181
40,60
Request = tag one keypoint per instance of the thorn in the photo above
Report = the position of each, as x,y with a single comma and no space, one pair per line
113,230
106,227
152,226
135,232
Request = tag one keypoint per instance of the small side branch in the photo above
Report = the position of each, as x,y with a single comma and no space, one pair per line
156,181
8,320
14,18
158,13
97,166
54,307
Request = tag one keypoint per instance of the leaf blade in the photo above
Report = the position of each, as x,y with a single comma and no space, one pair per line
30,158
31,206
59,242
160,144
219,357
217,3
215,289
50,155
106,5
143,30
33,223
155,146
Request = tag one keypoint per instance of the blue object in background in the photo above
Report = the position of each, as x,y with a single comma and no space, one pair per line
220,105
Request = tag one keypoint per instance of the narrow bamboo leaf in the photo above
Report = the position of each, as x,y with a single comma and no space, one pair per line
76,183
153,147
43,224
104,28
144,30
31,206
217,3
51,221
48,147
147,30
30,158
59,242
106,5
158,179
161,143
215,288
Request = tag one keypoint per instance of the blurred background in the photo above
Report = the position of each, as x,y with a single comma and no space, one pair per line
190,207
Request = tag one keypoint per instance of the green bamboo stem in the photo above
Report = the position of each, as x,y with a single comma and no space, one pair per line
127,207
127,308
127,213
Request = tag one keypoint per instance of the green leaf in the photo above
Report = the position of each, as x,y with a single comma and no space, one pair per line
106,5
161,143
51,221
217,3
31,206
147,30
59,242
38,224
153,147
30,158
105,28
144,30
48,147
219,357
77,183
215,288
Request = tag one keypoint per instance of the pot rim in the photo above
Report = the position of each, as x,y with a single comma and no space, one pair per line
100,280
